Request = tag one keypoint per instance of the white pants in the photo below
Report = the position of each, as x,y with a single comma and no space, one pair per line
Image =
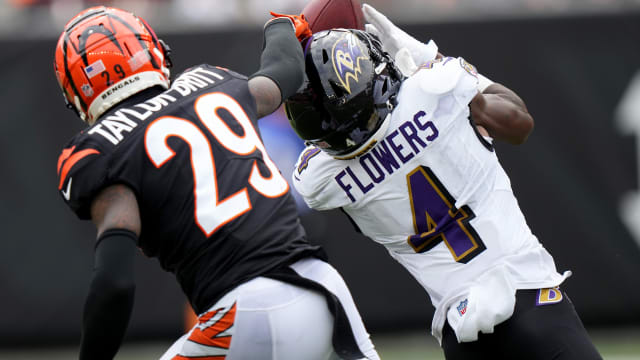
269,319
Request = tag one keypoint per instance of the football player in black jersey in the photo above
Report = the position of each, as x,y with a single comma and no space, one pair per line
179,170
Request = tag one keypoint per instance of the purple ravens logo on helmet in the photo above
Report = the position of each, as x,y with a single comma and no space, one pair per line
346,56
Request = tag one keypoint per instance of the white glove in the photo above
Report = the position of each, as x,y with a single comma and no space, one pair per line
405,63
394,39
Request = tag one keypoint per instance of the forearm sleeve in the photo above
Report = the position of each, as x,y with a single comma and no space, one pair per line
282,60
110,300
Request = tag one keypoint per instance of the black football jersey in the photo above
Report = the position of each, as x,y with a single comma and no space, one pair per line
215,210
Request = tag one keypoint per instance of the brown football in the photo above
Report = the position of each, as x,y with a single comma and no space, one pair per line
329,14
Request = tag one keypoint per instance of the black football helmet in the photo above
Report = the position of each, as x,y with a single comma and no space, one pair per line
350,87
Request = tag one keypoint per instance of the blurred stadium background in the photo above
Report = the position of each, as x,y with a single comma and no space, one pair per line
575,62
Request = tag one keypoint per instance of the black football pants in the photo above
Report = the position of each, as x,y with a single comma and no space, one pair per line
546,332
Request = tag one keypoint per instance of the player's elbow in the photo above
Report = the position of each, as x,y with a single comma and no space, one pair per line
282,59
116,288
522,126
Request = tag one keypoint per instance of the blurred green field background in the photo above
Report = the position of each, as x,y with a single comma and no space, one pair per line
616,344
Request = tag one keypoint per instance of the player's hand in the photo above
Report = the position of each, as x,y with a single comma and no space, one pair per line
405,62
303,30
394,39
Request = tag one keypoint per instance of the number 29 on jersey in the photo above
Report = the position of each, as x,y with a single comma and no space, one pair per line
211,212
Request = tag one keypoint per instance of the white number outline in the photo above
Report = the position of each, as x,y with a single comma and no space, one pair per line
210,212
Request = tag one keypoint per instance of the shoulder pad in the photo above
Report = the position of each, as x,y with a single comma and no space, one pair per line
442,76
304,158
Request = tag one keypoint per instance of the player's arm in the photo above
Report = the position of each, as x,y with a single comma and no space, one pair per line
108,306
281,66
407,52
496,109
502,113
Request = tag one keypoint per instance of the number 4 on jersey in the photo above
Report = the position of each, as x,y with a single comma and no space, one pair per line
436,219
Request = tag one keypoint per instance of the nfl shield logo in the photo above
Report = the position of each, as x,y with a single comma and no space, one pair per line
462,307
87,90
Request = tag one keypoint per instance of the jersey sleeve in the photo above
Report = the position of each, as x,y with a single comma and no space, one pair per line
449,75
82,172
313,178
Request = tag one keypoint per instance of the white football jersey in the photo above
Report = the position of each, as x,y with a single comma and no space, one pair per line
433,192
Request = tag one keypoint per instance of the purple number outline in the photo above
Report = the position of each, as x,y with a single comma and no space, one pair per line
441,221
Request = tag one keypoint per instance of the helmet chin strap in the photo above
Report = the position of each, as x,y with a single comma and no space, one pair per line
388,105
380,68
166,49
70,106
371,142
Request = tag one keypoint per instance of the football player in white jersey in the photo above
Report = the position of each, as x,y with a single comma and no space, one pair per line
406,151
